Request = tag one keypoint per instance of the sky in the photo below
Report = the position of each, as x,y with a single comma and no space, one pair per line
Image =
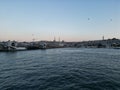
71,20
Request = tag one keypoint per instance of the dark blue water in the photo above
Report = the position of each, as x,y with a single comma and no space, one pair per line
60,69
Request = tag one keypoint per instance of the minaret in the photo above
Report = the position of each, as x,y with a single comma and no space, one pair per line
103,38
59,39
54,39
33,39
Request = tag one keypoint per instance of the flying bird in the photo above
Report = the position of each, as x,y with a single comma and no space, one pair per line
88,18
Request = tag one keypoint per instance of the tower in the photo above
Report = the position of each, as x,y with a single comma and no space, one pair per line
54,39
103,38
59,39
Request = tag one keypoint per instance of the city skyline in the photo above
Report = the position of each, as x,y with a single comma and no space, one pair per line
71,20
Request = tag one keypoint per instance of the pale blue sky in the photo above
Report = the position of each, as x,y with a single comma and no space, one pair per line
67,19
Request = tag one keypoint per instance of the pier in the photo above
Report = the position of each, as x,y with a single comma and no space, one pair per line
20,46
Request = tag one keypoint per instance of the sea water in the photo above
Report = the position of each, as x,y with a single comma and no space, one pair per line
60,69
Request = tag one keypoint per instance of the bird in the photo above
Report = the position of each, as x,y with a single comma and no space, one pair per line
88,18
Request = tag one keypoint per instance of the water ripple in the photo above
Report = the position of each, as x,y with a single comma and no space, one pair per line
60,69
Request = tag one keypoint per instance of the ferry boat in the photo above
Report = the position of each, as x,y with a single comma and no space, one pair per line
37,46
116,48
11,46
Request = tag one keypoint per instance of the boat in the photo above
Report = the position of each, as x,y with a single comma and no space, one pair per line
11,46
32,47
116,48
